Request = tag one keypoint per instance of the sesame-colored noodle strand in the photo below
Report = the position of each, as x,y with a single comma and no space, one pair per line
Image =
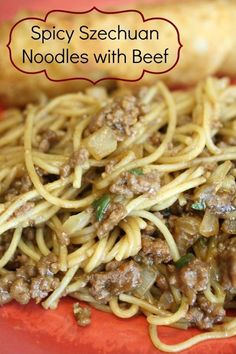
12,247
86,202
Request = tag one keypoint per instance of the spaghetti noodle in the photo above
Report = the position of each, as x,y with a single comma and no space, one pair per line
125,201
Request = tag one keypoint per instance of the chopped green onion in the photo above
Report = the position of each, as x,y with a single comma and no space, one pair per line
101,206
136,171
203,241
199,206
184,260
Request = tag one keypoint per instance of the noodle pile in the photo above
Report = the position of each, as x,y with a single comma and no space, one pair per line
196,150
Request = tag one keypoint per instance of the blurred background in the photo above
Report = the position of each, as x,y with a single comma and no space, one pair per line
9,8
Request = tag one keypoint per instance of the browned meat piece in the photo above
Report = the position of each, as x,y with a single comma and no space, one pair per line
154,251
227,263
26,271
114,214
49,137
186,232
41,286
5,284
20,186
214,310
121,116
229,226
19,291
29,233
82,315
125,278
221,203
129,184
48,265
5,241
161,282
31,280
65,170
150,229
26,184
205,314
24,208
78,158
110,165
156,139
191,279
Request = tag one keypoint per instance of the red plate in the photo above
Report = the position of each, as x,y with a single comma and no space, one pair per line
30,329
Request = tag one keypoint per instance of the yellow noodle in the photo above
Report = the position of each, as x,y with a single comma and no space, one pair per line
41,242
12,247
122,313
190,342
165,321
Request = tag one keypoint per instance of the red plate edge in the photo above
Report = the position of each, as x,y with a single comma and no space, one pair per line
31,329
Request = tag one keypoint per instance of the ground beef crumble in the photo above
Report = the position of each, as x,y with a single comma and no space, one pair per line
154,251
129,184
77,158
205,314
31,280
221,203
82,314
126,277
161,282
48,139
155,139
5,241
5,284
114,214
48,265
24,208
121,115
20,291
185,231
41,286
227,263
190,279
20,186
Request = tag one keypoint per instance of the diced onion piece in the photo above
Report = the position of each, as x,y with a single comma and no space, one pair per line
77,177
76,222
138,150
228,184
182,200
101,143
166,300
219,174
148,277
209,225
97,92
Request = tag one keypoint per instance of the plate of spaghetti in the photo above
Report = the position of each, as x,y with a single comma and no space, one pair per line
125,202
118,208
